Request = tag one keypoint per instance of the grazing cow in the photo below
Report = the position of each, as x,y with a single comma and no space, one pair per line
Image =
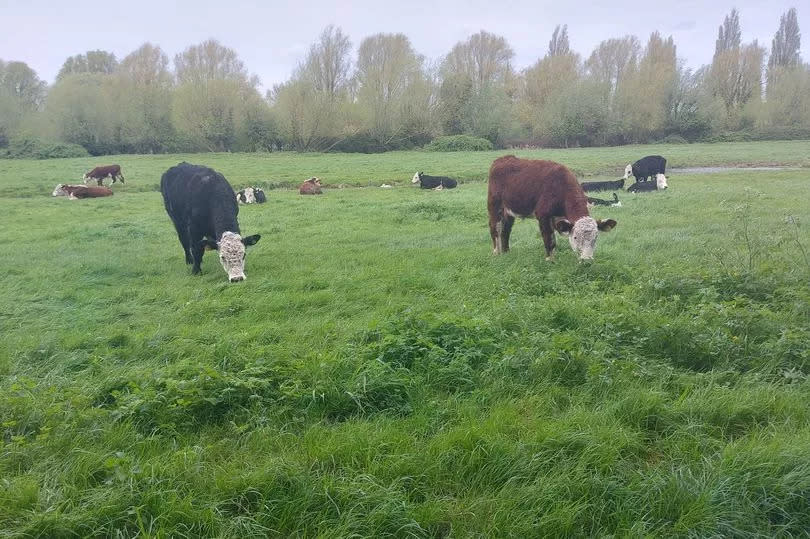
310,187
640,187
646,168
74,192
603,186
600,202
100,173
433,182
251,195
203,208
550,192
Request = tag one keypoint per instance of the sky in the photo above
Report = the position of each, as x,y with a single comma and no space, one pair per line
272,37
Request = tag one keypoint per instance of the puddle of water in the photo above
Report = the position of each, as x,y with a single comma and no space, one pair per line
714,170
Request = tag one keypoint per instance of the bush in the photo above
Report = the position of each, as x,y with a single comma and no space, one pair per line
34,148
459,143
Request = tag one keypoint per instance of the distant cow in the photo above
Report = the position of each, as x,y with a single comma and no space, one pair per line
74,192
600,202
203,208
433,182
646,167
251,195
100,173
603,186
550,192
311,187
659,185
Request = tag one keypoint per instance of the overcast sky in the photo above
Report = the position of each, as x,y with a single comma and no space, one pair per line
271,37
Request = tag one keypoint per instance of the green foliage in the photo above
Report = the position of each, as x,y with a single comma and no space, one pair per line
34,148
458,143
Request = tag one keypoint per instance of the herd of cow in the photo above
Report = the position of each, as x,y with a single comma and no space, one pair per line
204,207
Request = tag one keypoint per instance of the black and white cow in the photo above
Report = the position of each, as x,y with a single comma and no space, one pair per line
603,186
251,195
433,182
601,202
203,208
642,187
646,168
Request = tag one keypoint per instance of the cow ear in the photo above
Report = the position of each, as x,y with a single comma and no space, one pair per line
208,244
606,225
251,240
563,226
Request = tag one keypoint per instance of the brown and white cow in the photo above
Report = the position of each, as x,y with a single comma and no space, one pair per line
311,187
74,192
101,173
550,192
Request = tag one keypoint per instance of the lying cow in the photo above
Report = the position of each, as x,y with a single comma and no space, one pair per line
310,187
251,195
646,167
603,186
433,182
600,202
203,208
550,192
101,173
659,185
74,192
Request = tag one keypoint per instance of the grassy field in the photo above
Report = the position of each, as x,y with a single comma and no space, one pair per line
380,373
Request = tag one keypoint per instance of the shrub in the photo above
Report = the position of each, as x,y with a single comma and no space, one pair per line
673,139
35,148
459,143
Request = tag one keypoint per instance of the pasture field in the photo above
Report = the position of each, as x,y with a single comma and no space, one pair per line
381,373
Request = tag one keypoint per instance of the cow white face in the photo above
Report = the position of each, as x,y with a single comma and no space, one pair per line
59,191
583,233
661,181
231,249
415,178
627,171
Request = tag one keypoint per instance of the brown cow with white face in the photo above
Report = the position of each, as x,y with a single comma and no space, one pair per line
311,187
74,192
550,192
99,174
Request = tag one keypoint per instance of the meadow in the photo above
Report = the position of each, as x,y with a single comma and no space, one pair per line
381,373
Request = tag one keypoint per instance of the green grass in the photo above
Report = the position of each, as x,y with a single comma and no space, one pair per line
380,373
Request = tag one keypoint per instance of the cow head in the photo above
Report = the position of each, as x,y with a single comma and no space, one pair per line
661,181
59,191
627,171
417,177
231,247
582,234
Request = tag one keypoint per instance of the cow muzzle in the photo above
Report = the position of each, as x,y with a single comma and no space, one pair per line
237,278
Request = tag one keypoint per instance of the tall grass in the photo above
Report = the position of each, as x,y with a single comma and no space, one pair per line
380,373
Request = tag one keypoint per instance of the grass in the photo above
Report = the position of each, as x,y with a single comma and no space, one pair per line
380,373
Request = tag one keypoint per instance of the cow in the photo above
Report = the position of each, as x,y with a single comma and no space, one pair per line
603,186
251,195
100,173
600,202
646,168
550,192
75,192
659,185
433,182
311,187
202,205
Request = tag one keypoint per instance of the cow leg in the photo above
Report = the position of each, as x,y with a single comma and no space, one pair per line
197,250
507,222
121,177
547,231
495,228
100,181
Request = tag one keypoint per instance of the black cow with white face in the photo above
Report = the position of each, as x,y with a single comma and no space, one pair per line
251,195
433,182
203,208
646,168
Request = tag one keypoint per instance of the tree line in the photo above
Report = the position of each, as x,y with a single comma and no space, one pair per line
385,95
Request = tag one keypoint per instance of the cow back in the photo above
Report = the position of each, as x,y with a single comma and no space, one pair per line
199,193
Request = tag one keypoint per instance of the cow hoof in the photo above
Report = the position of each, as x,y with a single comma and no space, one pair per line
550,258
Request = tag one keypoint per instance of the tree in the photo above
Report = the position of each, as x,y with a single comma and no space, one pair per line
210,60
787,42
22,83
389,80
328,64
612,61
559,46
484,59
97,61
729,34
